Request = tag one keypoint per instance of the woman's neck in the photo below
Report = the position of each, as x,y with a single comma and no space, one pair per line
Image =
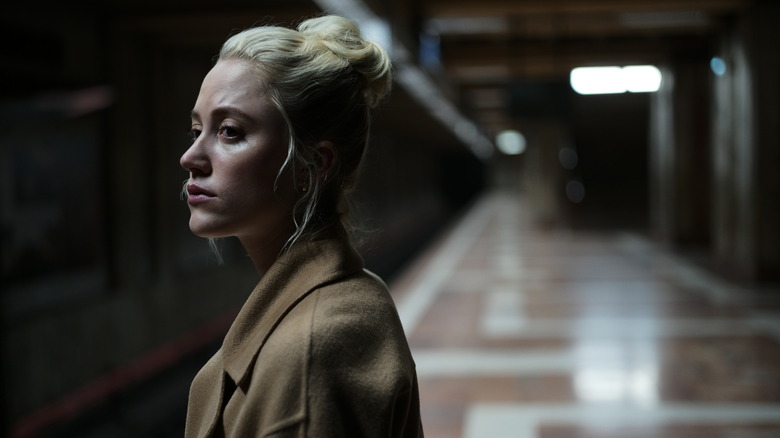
263,251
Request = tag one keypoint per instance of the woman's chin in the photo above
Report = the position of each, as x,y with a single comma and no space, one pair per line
205,230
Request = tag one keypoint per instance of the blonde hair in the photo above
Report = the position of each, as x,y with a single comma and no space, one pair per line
324,78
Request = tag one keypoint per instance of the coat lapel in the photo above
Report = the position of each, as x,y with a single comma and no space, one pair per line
207,397
292,277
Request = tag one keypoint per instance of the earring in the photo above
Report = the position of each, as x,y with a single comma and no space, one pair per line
303,187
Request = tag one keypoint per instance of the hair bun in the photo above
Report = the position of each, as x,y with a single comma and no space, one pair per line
342,37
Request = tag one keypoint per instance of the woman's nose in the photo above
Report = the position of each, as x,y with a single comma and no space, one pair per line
195,160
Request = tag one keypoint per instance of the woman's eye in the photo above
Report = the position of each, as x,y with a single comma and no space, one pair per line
229,132
195,133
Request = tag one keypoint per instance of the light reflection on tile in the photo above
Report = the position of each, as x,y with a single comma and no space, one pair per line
503,311
471,362
523,420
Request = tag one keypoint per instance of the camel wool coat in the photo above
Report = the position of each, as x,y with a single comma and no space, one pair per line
317,350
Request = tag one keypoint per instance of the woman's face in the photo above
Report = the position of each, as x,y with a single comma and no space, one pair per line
240,143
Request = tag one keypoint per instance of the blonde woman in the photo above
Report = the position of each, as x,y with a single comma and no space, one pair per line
279,129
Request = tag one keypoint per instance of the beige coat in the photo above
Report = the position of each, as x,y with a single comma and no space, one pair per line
316,351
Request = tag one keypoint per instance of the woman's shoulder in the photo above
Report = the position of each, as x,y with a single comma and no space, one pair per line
357,309
356,334
362,296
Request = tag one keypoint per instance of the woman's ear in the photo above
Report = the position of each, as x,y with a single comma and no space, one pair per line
326,157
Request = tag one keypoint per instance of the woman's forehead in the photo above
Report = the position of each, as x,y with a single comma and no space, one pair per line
232,86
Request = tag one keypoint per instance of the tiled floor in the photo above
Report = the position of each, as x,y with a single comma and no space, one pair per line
556,334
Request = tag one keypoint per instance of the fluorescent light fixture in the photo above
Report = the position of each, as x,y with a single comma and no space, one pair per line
597,80
378,31
614,80
423,89
642,78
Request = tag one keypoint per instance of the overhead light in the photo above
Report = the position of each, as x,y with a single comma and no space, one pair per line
511,142
423,89
597,80
378,31
642,78
613,79
718,66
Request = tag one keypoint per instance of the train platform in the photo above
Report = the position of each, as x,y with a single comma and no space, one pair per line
519,332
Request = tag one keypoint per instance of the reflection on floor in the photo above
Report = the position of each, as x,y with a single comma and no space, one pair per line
524,333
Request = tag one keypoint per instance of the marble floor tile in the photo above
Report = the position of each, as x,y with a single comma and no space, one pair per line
527,333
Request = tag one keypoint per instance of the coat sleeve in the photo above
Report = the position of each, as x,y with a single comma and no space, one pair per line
362,379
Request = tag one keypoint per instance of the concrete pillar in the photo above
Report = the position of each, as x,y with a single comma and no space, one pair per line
680,153
746,193
764,45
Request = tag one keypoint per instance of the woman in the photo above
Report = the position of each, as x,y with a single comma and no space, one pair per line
279,127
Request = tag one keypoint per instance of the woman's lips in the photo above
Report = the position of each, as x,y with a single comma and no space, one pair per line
198,195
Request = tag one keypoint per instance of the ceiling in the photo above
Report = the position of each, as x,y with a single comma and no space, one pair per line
487,46
475,52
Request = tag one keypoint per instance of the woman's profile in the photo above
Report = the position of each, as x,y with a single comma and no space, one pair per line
279,129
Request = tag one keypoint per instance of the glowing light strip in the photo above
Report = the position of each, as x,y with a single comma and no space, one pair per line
411,77
613,79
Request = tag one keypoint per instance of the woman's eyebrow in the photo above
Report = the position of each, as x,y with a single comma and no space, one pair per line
230,111
222,112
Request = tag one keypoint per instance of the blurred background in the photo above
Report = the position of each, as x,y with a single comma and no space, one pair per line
109,304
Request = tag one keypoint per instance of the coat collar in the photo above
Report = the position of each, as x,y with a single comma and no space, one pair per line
303,268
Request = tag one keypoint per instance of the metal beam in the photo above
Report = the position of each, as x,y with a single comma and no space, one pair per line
470,8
